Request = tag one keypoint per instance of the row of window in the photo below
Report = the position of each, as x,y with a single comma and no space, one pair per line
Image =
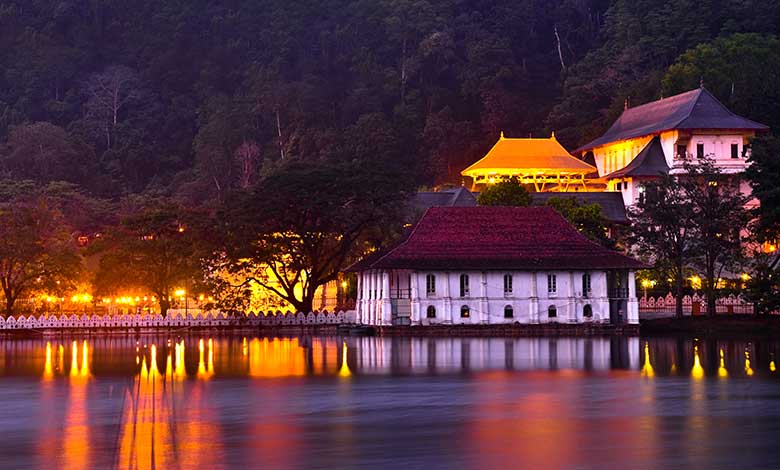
552,285
682,150
509,312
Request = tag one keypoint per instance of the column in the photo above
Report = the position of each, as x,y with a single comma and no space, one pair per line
415,295
533,301
484,309
386,313
446,300
571,304
359,300
633,304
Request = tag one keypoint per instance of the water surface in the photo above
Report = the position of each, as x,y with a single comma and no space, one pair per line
332,402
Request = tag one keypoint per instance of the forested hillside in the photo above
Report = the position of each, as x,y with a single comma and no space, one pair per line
195,97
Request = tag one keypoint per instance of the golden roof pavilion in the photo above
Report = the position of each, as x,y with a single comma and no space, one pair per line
541,162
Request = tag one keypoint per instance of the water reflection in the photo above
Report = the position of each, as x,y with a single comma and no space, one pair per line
170,402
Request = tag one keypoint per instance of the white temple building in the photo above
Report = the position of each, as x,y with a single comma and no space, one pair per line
495,265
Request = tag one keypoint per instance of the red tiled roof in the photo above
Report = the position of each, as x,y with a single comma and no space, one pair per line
521,238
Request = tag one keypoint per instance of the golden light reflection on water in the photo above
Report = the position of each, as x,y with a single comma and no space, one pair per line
697,372
722,372
344,370
76,440
277,357
48,372
647,367
748,369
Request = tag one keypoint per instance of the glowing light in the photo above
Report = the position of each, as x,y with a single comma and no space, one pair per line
748,369
201,297
84,359
696,282
179,292
697,372
48,371
722,372
74,359
772,367
344,371
745,277
647,368
344,284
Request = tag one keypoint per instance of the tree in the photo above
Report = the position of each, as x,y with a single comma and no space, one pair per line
763,174
152,248
109,93
36,253
304,222
719,215
663,230
587,218
733,69
505,193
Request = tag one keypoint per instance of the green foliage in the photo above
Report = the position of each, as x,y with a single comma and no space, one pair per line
691,221
587,218
764,175
505,193
36,252
734,69
154,249
306,223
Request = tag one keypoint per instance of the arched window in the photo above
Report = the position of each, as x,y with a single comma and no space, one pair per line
587,311
507,285
509,312
464,285
465,312
430,312
552,312
430,285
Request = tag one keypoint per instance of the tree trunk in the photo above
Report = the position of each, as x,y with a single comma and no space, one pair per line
711,285
165,304
9,305
678,294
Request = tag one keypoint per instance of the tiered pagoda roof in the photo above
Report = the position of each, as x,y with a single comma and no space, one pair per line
528,156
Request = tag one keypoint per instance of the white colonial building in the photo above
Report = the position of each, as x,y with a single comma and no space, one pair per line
494,265
656,138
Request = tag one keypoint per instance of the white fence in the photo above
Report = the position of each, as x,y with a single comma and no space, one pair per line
692,305
176,319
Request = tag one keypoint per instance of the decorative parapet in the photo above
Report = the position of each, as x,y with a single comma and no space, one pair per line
176,319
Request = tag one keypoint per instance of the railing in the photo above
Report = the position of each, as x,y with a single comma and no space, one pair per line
177,319
694,305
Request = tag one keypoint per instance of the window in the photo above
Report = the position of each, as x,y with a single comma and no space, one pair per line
681,151
734,150
430,312
619,186
507,285
586,285
509,312
465,312
552,312
699,150
464,285
587,311
430,285
552,284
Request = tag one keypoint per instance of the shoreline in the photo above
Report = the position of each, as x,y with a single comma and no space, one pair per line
722,325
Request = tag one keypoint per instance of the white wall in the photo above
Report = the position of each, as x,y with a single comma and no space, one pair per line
486,300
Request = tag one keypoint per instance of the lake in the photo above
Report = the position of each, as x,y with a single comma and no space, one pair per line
356,402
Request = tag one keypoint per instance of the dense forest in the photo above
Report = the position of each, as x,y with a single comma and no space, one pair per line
196,97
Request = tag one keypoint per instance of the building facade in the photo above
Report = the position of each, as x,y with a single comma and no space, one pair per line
657,138
496,265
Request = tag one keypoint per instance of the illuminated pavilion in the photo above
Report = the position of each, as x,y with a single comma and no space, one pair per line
542,164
